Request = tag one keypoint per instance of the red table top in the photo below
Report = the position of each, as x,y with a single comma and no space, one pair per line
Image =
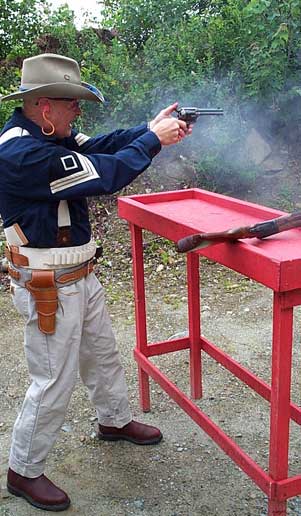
274,261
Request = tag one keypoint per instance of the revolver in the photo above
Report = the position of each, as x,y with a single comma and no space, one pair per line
191,114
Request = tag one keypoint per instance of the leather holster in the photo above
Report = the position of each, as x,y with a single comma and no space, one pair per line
43,288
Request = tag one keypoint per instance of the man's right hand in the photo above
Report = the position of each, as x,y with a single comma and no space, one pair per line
170,130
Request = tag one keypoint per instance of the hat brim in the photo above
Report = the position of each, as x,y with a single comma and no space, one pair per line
84,91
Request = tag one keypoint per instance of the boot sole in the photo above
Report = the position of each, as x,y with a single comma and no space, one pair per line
111,437
22,494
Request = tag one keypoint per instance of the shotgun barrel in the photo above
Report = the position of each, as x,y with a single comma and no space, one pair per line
259,230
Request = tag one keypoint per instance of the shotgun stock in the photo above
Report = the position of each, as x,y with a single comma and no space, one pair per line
259,230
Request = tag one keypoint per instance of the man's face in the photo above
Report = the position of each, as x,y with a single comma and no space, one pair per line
62,112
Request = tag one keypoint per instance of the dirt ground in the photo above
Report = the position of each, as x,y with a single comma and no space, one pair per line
186,474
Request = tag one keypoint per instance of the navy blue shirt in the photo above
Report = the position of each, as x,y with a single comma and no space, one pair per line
37,172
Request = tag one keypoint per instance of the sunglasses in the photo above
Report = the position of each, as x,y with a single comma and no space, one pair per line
73,103
64,99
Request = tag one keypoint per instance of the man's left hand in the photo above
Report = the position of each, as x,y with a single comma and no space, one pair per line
167,113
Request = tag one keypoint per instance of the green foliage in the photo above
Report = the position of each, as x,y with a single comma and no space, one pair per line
136,20
271,39
109,69
285,199
6,108
20,24
10,78
60,24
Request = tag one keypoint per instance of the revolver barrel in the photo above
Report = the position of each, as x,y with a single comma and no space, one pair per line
191,114
210,112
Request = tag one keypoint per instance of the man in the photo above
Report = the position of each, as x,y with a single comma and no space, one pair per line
47,171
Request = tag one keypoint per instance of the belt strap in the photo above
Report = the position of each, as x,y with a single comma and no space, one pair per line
44,291
13,273
13,255
76,275
62,276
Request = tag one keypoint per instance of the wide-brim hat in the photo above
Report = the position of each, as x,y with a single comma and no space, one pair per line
52,75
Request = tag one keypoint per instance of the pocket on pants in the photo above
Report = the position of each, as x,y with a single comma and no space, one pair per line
20,298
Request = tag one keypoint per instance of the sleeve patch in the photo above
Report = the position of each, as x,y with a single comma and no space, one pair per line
69,162
81,138
77,169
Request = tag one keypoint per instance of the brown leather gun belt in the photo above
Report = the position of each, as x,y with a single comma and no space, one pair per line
43,286
13,255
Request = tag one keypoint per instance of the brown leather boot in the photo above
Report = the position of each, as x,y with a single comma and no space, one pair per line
39,492
135,432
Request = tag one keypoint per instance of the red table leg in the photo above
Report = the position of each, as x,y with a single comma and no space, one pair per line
280,396
193,282
140,310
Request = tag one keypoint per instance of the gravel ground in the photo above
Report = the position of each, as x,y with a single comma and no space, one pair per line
186,474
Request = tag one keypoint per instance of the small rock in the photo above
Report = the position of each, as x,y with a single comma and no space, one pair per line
156,457
4,493
256,147
139,504
179,335
67,428
273,164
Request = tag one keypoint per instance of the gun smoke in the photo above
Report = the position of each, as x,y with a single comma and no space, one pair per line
252,144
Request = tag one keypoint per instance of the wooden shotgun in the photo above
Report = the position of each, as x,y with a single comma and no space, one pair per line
260,230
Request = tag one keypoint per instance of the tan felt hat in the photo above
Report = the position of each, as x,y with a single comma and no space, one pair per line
52,75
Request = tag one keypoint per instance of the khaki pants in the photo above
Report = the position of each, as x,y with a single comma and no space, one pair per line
84,343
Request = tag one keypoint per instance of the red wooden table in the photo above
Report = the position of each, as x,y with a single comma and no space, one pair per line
275,263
